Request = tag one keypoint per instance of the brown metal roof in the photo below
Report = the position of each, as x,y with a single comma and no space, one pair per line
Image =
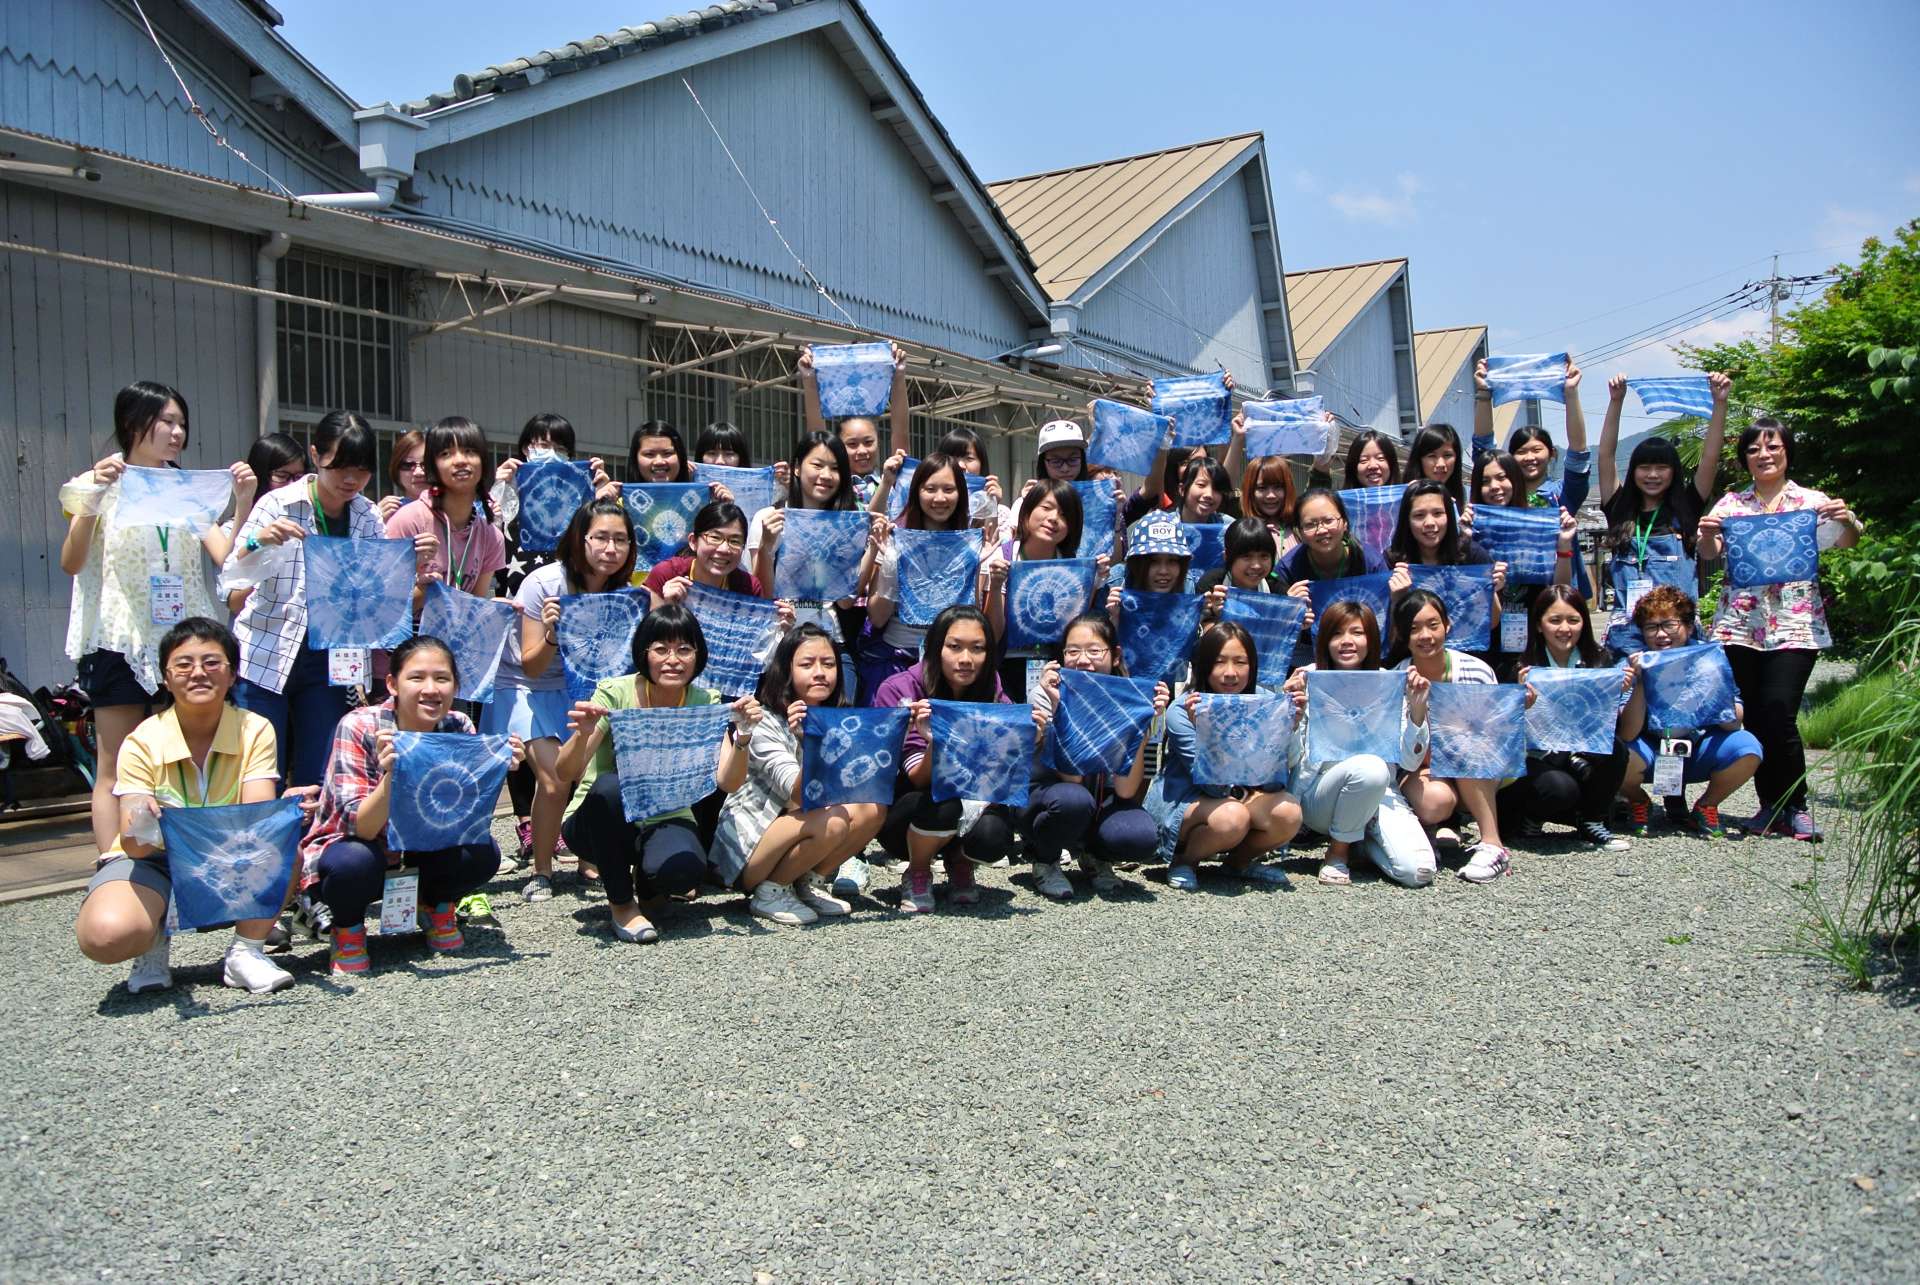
1438,356
1323,302
1076,221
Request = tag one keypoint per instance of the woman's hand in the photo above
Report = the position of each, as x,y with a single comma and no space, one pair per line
1226,377
604,487
879,527
1480,384
1418,689
675,590
1238,425
1162,697
387,506
1215,600
1709,528
1836,510
1569,531
771,528
1617,389
921,716
804,363
993,488
384,754
550,616
720,494
797,716
1299,589
1296,687
245,483
782,478
1101,565
1041,717
425,545
279,531
1720,384
1499,576
108,471
899,357
1466,519
519,748
582,717
309,796
746,712
1050,679
783,613
1532,695
1191,702
1401,579
891,469
508,467
1113,602
1629,675
1520,675
993,569
1573,377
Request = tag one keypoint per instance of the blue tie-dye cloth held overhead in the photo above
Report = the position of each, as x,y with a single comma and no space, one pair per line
666,757
751,488
1042,596
1100,514
1575,711
1771,548
1370,591
1479,731
1199,405
231,863
445,788
1527,540
1371,514
1125,437
1688,688
175,498
1674,395
1157,631
551,491
475,629
1355,712
818,558
663,514
854,379
1274,620
359,592
1241,740
595,637
1541,376
850,755
937,570
741,632
981,751
903,487
1467,590
1100,723
1269,437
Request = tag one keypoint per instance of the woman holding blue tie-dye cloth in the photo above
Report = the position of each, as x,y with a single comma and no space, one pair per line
860,434
1773,633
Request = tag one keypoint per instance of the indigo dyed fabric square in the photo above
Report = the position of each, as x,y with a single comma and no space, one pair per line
1100,723
551,491
1527,540
1468,593
751,488
981,751
230,863
663,514
1157,631
176,498
476,631
741,631
1536,375
445,788
1099,518
359,592
1290,426
1688,688
1241,740
1575,711
666,757
1479,731
854,379
595,637
937,570
1125,437
850,755
1371,514
1354,712
1275,621
1042,596
1674,395
1771,548
818,559
1370,591
1199,405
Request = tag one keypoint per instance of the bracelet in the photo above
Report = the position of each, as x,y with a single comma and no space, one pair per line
253,544
1483,397
1565,553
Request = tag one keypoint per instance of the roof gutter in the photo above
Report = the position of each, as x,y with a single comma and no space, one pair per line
389,141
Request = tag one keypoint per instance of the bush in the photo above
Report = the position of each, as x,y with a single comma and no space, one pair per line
1839,705
1871,585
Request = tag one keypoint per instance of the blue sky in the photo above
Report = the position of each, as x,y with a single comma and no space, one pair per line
1566,176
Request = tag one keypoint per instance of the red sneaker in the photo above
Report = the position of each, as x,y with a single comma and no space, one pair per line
443,928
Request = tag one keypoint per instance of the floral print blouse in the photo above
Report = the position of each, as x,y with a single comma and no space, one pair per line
1777,616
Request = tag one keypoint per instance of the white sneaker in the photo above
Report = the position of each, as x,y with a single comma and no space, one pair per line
775,901
1100,872
153,970
815,894
1486,864
853,877
249,970
1052,881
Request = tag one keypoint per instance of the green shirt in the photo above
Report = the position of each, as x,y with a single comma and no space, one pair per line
624,693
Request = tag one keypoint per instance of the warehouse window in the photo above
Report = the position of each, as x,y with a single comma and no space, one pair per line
333,360
690,399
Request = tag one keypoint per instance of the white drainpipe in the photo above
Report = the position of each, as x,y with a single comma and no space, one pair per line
388,138
267,339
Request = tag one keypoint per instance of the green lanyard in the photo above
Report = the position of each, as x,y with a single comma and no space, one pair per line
187,799
166,561
319,514
1642,536
458,578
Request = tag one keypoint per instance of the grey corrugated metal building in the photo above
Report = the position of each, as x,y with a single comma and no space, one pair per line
562,232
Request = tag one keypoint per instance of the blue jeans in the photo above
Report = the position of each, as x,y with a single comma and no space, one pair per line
1062,814
353,876
303,713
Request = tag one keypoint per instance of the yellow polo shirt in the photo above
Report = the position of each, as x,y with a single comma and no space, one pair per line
154,760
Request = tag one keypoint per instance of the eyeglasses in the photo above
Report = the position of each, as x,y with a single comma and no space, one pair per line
413,466
725,542
212,665
1318,525
601,540
284,478
1092,655
1663,627
671,651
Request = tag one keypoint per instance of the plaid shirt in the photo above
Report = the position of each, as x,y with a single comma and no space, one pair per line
272,625
353,772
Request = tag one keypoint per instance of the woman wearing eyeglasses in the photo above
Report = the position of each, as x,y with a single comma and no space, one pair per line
1325,551
407,470
713,558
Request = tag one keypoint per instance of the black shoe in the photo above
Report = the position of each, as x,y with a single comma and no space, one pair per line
279,938
1678,814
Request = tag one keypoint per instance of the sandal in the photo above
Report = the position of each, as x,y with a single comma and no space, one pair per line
1335,872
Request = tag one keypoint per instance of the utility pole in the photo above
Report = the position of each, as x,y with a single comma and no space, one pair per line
1773,304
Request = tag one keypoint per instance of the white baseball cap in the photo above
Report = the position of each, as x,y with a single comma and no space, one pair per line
1059,432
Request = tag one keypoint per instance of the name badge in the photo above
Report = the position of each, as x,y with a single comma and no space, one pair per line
1637,588
1036,670
400,905
346,666
1669,775
1513,631
167,599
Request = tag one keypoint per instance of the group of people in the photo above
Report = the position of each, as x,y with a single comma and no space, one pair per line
206,690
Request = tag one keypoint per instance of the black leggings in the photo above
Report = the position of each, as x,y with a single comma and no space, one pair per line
1771,685
521,784
353,876
990,839
658,860
1564,788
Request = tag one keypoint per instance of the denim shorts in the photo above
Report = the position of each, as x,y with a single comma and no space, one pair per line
108,680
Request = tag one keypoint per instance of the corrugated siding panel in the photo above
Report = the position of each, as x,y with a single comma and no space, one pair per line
82,71
637,177
1356,375
77,336
1205,262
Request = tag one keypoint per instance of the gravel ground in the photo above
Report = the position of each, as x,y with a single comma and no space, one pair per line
1591,1070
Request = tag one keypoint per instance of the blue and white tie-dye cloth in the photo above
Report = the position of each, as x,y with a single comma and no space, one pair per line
359,592
1354,712
663,514
1771,548
981,751
1099,517
1291,426
850,755
1125,437
741,632
1370,591
1537,375
1241,740
1527,540
1042,596
1468,593
751,488
1274,620
230,863
595,637
1479,731
445,788
1199,405
1371,513
551,491
475,629
903,487
1208,540
1157,631
937,569
818,559
854,379
190,499
1574,710
666,757
1100,723
1688,688
1676,395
